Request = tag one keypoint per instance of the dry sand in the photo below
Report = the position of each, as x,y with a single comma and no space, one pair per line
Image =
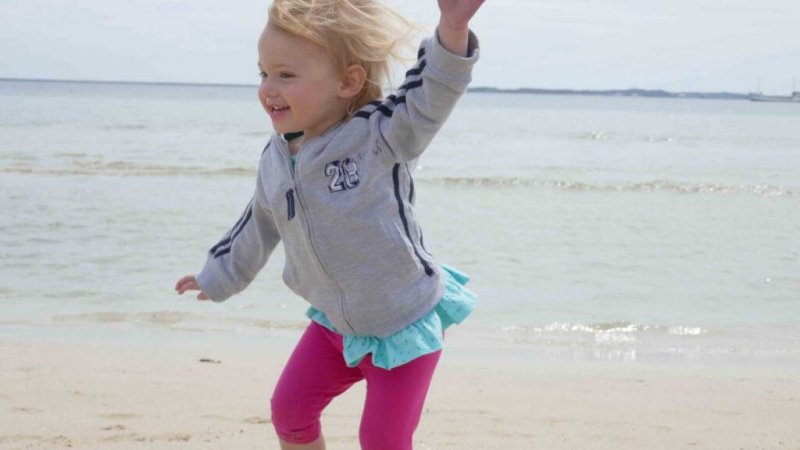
106,393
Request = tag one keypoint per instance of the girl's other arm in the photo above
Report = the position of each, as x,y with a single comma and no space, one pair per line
236,259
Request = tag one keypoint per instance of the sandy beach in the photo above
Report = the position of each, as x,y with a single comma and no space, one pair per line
635,261
199,391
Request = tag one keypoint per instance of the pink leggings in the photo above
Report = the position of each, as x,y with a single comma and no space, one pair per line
316,373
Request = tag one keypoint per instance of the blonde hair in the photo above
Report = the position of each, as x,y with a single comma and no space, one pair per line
364,32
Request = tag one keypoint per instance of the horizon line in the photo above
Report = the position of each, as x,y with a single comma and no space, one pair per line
240,85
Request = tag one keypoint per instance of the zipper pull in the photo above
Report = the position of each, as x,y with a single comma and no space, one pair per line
290,204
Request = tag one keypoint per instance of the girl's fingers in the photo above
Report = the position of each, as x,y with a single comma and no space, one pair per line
186,283
182,281
182,287
189,283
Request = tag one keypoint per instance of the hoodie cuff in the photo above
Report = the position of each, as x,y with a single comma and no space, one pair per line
210,285
449,66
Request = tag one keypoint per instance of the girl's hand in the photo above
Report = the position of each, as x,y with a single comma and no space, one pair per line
456,14
454,23
189,283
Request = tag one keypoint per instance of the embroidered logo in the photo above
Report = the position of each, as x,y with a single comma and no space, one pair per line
343,175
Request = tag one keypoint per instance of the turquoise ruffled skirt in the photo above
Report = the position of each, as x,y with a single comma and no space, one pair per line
420,338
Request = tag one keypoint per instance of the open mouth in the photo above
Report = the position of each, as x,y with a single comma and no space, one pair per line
277,109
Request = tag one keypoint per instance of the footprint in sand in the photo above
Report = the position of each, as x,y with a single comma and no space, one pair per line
22,409
118,416
136,437
114,428
257,420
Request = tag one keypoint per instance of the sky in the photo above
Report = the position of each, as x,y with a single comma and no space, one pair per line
676,45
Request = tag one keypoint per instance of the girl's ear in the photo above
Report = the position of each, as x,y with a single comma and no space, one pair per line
353,80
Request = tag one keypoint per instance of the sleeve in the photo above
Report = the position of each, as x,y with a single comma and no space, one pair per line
236,259
408,120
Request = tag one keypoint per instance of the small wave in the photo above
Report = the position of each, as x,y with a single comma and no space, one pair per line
604,328
32,123
130,169
125,169
624,341
562,327
763,190
686,331
177,320
73,293
603,135
157,317
595,136
126,126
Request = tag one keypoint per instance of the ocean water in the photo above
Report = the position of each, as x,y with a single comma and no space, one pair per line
594,228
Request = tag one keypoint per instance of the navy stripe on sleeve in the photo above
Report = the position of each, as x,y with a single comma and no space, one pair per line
384,107
417,70
411,85
224,246
226,240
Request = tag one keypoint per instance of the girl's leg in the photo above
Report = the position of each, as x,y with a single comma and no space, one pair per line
313,376
318,444
394,402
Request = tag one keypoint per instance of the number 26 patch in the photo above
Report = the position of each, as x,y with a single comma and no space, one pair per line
343,175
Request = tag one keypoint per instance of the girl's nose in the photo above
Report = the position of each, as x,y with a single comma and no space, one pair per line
267,89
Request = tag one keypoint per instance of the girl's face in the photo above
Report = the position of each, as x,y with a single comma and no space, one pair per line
300,84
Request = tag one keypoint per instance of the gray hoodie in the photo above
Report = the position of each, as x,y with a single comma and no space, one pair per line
345,213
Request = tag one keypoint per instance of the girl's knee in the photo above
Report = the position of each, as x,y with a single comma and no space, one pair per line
385,437
292,422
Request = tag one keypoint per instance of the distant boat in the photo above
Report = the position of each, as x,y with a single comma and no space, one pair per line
794,98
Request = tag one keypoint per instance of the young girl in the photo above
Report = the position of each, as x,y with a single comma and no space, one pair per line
334,183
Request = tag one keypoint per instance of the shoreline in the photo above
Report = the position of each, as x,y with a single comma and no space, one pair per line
475,341
203,393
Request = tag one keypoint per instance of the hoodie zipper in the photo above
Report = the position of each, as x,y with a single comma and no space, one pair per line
310,240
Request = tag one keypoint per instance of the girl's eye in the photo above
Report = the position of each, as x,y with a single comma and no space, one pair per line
286,75
262,74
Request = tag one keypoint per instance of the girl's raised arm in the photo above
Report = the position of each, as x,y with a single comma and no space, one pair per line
407,120
454,23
